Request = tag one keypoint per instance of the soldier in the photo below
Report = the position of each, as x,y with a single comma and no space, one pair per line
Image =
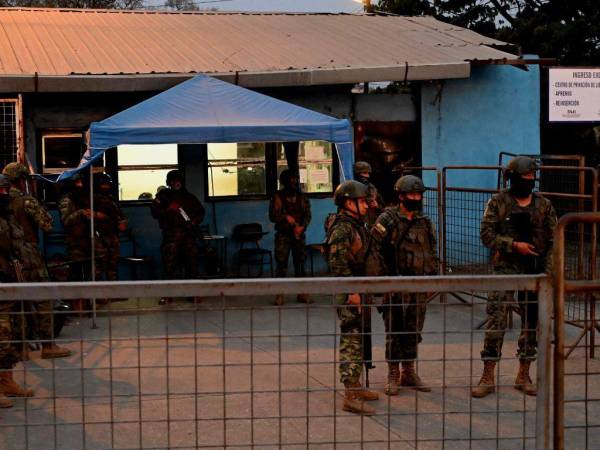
110,222
75,214
411,241
347,243
518,227
11,236
289,210
32,216
178,212
362,173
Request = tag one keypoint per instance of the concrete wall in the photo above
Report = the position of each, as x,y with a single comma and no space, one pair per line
469,122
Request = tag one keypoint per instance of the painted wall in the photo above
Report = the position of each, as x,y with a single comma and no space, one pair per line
469,122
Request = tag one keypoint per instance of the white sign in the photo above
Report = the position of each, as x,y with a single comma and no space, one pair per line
303,176
574,95
319,176
314,153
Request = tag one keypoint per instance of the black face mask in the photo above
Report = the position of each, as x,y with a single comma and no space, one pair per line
521,187
413,205
364,180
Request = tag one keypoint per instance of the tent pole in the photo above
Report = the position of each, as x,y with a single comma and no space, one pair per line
92,241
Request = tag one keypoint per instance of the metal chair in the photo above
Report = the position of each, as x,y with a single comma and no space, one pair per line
251,234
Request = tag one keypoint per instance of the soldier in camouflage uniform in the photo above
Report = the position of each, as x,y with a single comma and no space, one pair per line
33,216
178,212
347,243
75,215
518,227
406,239
11,237
289,210
111,221
362,173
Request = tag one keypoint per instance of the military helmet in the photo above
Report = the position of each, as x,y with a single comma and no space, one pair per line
103,178
409,183
4,182
14,170
520,165
174,175
350,189
361,167
285,175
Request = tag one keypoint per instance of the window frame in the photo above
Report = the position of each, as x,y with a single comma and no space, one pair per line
114,169
271,177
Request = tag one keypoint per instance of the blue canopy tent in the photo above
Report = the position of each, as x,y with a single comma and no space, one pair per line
207,110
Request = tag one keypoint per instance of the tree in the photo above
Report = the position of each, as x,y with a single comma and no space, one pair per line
182,5
566,30
84,4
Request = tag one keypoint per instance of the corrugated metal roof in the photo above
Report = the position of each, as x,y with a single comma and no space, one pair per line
58,43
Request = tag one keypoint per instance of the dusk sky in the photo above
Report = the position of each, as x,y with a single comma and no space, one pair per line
348,6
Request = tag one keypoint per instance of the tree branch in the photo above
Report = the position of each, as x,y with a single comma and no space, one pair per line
503,12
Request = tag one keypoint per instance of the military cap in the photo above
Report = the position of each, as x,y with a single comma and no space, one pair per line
409,183
350,189
521,165
103,178
285,175
174,175
14,170
362,167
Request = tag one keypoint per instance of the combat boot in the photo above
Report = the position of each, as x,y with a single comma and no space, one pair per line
365,394
353,402
50,350
5,402
487,383
523,381
393,381
411,379
304,298
279,300
10,388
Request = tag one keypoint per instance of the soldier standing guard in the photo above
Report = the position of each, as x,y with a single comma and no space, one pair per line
518,226
289,210
178,212
11,237
347,243
362,173
32,217
111,221
410,237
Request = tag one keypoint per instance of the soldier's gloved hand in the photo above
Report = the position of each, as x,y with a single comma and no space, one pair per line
87,213
174,206
122,226
99,215
355,300
290,220
525,249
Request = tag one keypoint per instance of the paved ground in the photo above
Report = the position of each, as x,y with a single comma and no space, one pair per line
179,378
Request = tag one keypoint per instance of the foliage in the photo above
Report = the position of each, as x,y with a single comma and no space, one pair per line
91,4
568,30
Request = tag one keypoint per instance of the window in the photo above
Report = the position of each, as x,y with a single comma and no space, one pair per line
61,150
143,169
236,169
10,117
315,162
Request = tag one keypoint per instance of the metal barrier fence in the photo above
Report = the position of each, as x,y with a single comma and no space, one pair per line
577,381
236,372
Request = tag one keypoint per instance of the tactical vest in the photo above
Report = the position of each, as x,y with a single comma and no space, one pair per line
17,205
106,204
289,208
414,252
360,243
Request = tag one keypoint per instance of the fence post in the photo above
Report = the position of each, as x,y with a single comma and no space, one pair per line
544,372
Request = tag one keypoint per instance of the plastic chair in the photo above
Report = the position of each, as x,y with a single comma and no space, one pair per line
250,253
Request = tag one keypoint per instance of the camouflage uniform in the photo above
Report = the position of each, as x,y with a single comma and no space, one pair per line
73,207
499,229
32,216
108,233
348,242
179,245
297,206
410,249
11,235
